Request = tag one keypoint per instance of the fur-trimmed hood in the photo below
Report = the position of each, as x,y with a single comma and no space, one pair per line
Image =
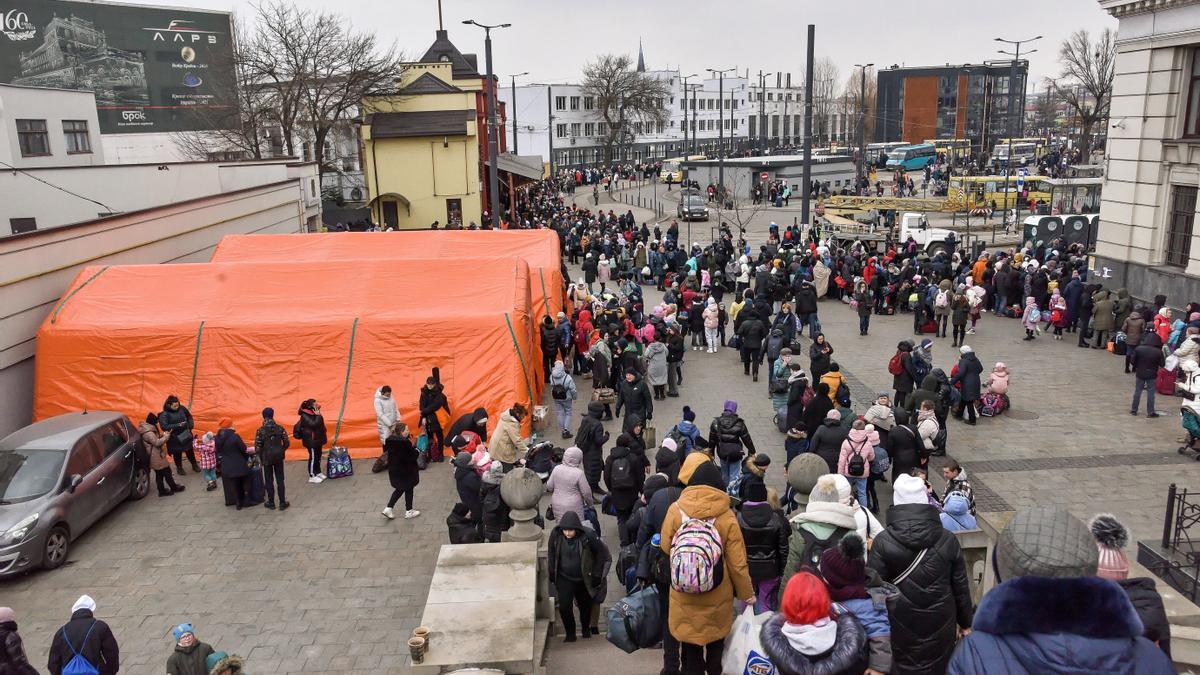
1051,625
848,655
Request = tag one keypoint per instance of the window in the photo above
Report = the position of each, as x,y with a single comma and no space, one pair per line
693,126
589,129
661,126
560,130
754,125
1192,123
637,128
574,103
726,124
770,96
576,127
76,133
31,134
85,456
589,102
560,102
693,103
111,438
601,128
1179,230
683,104
22,225
733,103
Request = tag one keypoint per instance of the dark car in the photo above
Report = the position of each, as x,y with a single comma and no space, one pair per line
58,477
692,207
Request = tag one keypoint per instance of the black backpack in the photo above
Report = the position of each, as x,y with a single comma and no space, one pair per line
857,463
274,445
296,434
622,473
558,392
813,547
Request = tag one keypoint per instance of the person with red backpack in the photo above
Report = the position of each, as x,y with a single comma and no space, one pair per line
707,554
904,373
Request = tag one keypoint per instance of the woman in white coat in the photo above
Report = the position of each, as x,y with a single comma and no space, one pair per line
386,413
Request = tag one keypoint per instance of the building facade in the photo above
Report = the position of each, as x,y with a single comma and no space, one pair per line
41,126
973,101
1147,241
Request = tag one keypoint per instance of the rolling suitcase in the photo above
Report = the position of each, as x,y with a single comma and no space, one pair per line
1164,384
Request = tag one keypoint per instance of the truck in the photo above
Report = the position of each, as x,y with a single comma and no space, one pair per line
929,239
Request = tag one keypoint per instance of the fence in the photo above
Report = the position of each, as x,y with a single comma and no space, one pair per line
1180,566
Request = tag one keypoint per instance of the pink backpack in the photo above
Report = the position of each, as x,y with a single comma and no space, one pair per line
696,565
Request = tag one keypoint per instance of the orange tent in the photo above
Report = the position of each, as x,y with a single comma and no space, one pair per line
230,339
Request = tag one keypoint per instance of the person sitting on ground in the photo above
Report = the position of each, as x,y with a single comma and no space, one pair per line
1050,613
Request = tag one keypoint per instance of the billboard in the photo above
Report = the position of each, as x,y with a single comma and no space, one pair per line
152,69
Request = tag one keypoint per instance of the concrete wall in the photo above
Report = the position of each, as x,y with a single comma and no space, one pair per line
124,188
36,268
1146,154
53,106
141,148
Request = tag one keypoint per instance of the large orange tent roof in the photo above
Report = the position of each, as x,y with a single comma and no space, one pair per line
231,339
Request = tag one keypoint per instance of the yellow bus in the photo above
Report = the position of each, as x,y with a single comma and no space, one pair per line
951,147
672,169
981,191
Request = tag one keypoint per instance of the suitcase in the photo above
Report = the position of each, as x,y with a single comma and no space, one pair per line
1164,384
258,492
930,326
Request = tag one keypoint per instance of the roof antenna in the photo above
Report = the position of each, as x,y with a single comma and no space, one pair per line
440,27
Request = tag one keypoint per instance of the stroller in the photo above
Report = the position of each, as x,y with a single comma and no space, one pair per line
1190,411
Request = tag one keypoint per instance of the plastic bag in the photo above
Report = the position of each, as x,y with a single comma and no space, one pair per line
744,652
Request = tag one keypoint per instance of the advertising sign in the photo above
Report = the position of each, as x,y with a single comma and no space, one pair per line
152,69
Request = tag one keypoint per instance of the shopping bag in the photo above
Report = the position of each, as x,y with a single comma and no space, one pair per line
650,437
635,622
338,464
744,652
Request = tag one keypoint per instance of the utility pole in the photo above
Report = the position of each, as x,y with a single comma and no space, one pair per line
684,81
514,109
721,128
1008,123
492,125
862,115
762,113
550,124
806,176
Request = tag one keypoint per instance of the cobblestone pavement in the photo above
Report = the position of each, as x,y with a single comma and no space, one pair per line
330,586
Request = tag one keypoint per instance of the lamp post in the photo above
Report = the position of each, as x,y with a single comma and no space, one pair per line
492,125
1008,123
514,109
862,114
721,127
694,88
684,81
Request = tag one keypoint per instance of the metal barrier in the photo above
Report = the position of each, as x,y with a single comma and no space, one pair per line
1180,567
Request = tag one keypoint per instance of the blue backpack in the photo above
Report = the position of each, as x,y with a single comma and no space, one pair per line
79,665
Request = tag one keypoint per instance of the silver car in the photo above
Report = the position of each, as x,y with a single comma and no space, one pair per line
692,207
58,477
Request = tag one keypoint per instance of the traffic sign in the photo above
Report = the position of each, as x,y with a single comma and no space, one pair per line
764,176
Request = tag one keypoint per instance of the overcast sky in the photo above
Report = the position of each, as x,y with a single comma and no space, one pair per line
552,40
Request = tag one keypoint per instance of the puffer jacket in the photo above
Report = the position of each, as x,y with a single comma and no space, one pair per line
727,432
155,444
862,442
1033,625
848,656
568,487
998,382
935,598
386,414
1133,326
766,533
507,445
927,392
591,438
826,443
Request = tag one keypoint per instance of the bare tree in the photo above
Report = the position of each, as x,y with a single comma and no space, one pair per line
744,210
623,96
825,83
852,100
1045,113
1085,83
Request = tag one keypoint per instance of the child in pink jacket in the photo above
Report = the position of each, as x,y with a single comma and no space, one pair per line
861,441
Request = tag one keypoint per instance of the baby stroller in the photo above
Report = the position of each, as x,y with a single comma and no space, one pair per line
542,458
1190,411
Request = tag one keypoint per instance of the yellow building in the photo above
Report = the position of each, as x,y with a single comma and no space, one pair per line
421,144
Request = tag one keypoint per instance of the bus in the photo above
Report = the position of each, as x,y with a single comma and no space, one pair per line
981,191
672,169
876,153
952,148
912,157
1024,153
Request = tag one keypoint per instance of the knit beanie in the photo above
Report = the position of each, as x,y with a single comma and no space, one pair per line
909,490
225,423
825,490
805,600
756,491
1045,541
1111,538
181,630
833,414
730,406
688,414
6,615
462,459
707,474
669,444
268,413
844,569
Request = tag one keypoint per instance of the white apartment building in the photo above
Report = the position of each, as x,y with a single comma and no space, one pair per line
1147,240
43,126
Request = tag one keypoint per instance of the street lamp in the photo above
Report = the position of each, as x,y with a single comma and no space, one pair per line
862,116
694,88
1012,77
762,111
721,127
492,125
684,86
514,108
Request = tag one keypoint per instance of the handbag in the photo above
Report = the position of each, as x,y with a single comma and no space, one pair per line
549,512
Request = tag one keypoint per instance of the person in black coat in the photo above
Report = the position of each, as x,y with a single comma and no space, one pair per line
234,463
13,659
467,482
766,533
475,421
906,380
797,385
403,473
817,409
806,305
826,440
313,436
967,377
752,332
623,493
590,438
433,399
1147,359
906,450
495,511
634,396
463,530
176,420
820,355
935,598
89,637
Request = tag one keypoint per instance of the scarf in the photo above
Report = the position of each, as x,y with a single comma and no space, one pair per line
811,639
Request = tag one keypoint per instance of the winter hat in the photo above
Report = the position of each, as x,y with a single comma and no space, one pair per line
833,414
730,406
803,472
225,423
909,490
1111,538
1045,541
707,474
805,600
691,462
844,569
756,491
689,415
670,444
624,440
843,488
461,509
926,343
462,459
6,615
965,349
268,413
84,602
182,629
762,460
654,483
151,419
825,490
494,474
